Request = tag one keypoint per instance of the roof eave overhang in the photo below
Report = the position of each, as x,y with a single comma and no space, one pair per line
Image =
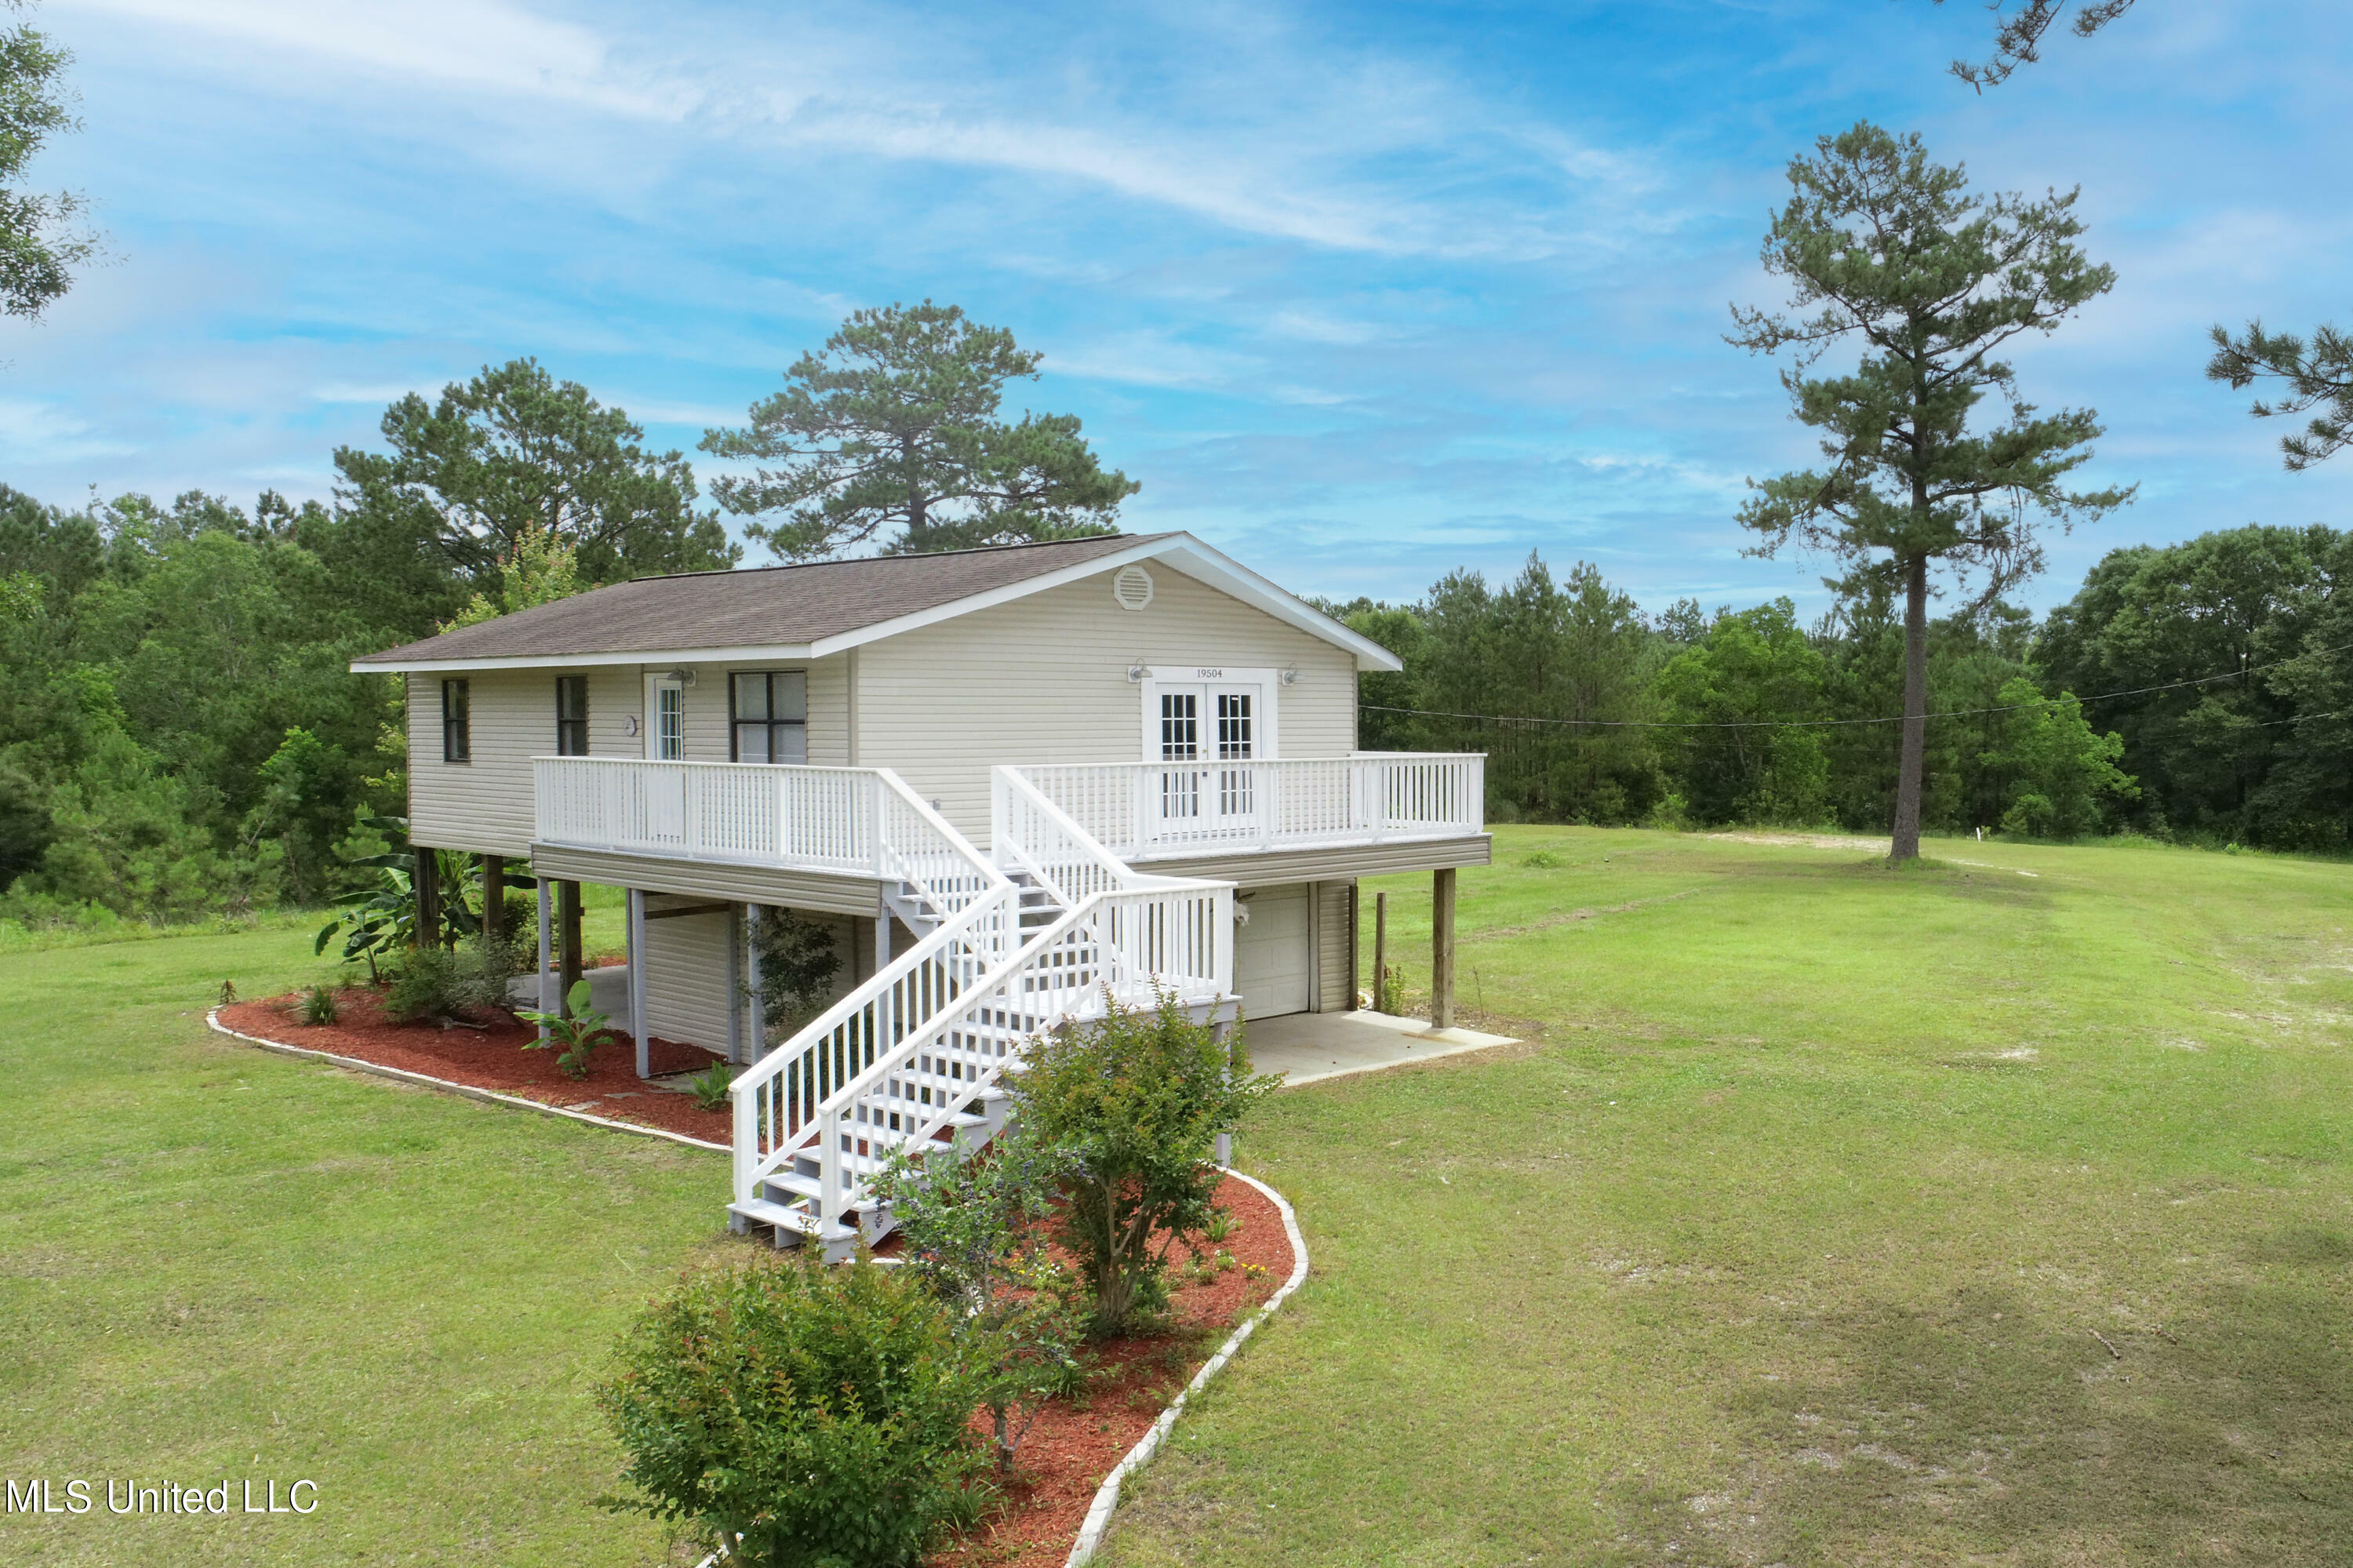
581,660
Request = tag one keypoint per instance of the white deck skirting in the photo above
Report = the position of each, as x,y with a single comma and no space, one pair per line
1098,1520
471,1091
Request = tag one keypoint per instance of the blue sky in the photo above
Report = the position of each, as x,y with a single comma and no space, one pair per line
1360,294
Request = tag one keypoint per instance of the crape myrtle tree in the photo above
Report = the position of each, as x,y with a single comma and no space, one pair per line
889,437
1881,246
514,450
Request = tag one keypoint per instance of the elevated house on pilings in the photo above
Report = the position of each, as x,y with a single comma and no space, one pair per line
1010,782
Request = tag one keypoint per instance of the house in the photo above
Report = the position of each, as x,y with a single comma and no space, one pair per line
1012,781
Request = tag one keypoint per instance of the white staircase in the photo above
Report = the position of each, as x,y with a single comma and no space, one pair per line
1007,948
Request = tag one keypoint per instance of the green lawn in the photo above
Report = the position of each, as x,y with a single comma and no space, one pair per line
215,1263
1796,1233
1785,1239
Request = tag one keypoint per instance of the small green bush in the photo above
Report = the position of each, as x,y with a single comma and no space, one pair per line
318,1007
423,985
1542,859
1130,1107
710,1086
801,1415
440,982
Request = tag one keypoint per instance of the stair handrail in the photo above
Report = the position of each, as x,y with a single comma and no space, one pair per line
984,928
825,1128
1010,794
900,862
980,933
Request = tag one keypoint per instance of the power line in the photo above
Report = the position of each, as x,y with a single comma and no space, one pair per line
1836,724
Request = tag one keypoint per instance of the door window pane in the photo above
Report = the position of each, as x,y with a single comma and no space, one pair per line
1180,727
672,718
1233,726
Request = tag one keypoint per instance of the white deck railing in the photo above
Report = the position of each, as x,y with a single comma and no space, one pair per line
750,813
1143,811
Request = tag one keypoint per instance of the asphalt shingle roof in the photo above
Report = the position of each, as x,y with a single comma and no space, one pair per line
758,608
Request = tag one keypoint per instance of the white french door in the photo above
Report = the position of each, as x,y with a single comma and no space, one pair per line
1208,734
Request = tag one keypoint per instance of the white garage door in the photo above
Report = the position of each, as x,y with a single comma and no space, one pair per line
1270,953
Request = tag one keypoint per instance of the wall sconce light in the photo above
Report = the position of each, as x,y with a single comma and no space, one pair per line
685,677
1136,672
1290,675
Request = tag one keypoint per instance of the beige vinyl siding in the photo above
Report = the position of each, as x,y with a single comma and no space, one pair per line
616,699
686,974
1044,679
486,805
1332,941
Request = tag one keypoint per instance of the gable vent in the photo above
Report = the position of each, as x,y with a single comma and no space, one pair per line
1132,586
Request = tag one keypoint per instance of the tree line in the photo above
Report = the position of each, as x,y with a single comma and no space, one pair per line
2234,651
180,732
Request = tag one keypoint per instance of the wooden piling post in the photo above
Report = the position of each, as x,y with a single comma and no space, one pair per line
1441,949
567,900
494,897
1380,952
425,881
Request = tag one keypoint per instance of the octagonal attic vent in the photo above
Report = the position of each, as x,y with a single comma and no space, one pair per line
1132,586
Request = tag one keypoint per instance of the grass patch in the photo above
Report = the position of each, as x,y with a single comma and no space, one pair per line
217,1262
1994,1212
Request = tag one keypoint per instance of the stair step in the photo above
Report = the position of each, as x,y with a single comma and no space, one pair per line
761,1211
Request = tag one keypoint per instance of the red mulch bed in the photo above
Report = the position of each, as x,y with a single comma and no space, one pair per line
1074,1445
494,1058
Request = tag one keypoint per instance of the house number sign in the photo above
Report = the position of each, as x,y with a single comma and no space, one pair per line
1209,675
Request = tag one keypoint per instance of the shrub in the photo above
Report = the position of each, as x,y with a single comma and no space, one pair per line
797,960
318,1007
1131,1106
480,971
1542,859
803,1415
710,1086
437,982
969,1223
422,986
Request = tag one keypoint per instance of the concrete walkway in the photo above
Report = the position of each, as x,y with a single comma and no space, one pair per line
1307,1047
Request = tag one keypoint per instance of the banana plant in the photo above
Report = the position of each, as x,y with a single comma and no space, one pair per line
574,1032
381,920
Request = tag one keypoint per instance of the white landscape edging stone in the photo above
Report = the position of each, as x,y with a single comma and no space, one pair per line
471,1091
1098,1520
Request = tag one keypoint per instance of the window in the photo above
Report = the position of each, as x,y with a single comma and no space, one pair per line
1233,726
669,721
1180,727
770,716
571,716
1181,741
457,741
